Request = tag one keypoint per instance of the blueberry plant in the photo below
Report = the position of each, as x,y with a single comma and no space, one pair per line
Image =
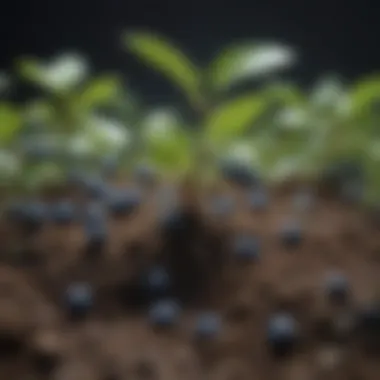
246,124
222,119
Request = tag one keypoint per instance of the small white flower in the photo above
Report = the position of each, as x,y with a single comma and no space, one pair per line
327,93
264,59
292,118
160,123
243,152
64,72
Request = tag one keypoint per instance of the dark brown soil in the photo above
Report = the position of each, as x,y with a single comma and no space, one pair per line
116,342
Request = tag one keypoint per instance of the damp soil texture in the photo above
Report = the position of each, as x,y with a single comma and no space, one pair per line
261,272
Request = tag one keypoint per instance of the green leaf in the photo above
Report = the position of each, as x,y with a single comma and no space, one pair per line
99,92
365,95
29,69
171,152
246,61
231,120
167,144
286,94
10,123
162,56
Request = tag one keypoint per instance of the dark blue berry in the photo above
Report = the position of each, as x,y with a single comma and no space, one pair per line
164,313
173,221
95,226
291,234
95,187
123,202
31,216
239,173
79,299
282,333
63,212
222,206
258,200
336,287
246,248
157,282
144,175
208,326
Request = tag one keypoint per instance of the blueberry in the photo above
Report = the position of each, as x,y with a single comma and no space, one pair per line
291,234
336,287
258,200
282,333
144,175
246,248
95,187
95,226
79,299
239,173
123,202
62,212
208,326
173,221
222,206
31,215
164,313
157,282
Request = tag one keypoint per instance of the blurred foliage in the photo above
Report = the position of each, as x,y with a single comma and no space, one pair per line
279,128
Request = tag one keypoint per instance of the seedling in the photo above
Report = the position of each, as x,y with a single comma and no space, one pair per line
218,122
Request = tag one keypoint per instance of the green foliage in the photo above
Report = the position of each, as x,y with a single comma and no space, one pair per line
99,92
239,62
232,119
10,123
164,57
279,128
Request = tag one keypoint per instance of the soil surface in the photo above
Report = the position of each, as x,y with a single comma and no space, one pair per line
116,341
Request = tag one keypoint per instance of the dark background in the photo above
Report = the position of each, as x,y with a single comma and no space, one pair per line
332,36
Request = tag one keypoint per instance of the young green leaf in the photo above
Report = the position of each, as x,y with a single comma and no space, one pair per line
365,96
167,143
246,61
10,123
232,119
99,92
162,56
